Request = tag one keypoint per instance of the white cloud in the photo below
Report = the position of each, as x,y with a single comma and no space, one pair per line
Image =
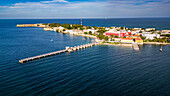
53,1
62,8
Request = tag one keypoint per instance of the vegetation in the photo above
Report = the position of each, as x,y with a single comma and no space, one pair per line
81,28
106,38
121,27
143,37
101,31
67,26
88,27
112,39
159,32
116,36
114,43
95,27
100,36
85,32
90,32
143,28
156,40
112,35
45,24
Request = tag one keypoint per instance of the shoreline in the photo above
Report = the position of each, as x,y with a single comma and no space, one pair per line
81,34
84,35
126,45
156,43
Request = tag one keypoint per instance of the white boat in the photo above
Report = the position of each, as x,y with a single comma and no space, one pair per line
51,40
160,49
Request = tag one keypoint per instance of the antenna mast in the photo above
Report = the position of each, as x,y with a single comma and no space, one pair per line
81,21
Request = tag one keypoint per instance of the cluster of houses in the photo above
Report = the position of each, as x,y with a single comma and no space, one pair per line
116,34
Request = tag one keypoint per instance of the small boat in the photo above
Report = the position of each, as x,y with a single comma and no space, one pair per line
51,40
160,49
84,39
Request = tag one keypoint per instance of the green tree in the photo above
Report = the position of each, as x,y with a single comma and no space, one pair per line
90,32
106,38
143,28
100,36
57,30
118,29
159,32
116,36
143,37
121,27
81,28
85,32
95,27
88,27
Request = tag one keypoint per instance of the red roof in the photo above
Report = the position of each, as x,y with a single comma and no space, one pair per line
126,38
138,39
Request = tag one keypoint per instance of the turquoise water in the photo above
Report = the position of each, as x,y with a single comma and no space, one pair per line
99,70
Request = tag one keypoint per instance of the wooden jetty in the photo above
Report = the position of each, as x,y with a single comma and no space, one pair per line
68,49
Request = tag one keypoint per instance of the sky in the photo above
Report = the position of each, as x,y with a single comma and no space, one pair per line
51,9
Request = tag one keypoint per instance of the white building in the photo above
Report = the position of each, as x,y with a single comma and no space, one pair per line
150,36
58,28
73,31
88,30
137,28
165,32
149,29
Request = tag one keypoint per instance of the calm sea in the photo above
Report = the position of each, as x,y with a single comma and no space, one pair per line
97,71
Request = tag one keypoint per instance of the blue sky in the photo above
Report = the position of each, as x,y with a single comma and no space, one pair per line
33,9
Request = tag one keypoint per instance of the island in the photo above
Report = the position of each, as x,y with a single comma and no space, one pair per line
118,36
110,35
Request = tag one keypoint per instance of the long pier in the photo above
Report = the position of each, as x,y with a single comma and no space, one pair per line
68,49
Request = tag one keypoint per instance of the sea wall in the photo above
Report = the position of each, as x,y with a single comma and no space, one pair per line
157,43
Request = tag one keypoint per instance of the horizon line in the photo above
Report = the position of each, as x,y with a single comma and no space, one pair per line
90,17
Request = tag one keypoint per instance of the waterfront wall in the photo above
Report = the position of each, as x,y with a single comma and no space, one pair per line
157,43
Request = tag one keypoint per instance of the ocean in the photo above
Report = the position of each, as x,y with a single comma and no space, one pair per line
103,70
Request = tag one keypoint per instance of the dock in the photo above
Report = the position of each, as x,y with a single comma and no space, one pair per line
68,49
135,46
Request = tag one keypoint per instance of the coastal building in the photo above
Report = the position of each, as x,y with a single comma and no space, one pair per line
165,32
136,36
137,28
139,40
149,29
114,32
126,40
92,30
59,29
107,28
150,36
74,31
